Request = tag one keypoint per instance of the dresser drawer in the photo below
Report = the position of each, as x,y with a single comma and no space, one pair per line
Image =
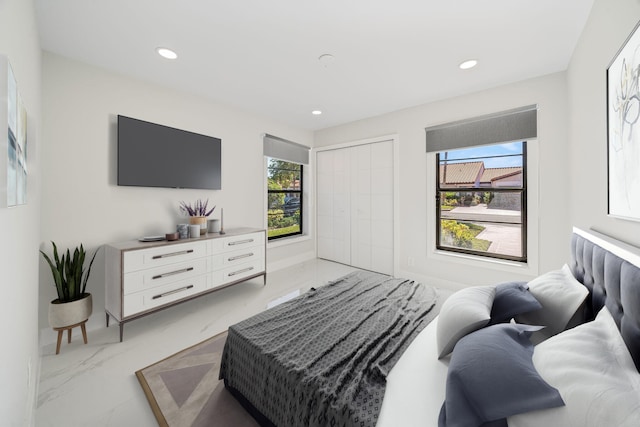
239,272
243,256
163,255
236,257
241,242
137,281
142,301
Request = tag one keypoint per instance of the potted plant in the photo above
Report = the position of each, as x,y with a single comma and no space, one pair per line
73,305
198,213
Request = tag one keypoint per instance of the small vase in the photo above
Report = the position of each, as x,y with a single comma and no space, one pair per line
214,226
201,221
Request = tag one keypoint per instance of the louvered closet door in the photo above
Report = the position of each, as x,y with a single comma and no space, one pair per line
355,206
333,197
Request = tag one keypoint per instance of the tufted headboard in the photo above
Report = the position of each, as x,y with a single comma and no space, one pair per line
610,269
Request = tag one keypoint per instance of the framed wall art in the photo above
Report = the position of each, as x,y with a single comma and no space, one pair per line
623,127
13,140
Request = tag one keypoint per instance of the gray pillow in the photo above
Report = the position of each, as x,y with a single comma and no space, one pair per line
463,312
511,299
491,376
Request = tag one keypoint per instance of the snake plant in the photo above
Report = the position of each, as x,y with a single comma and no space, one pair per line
68,273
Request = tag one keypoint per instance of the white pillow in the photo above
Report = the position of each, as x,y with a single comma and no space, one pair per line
463,312
560,294
591,367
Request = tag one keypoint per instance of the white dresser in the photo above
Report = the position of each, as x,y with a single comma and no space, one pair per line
142,278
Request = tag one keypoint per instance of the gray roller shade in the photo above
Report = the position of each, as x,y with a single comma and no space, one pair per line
519,124
285,150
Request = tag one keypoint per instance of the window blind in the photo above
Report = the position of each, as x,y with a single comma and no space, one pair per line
285,150
519,124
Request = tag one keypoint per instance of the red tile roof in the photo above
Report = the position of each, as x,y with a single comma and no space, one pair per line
461,173
468,173
496,173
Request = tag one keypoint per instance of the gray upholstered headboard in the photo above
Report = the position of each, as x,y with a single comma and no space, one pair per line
610,269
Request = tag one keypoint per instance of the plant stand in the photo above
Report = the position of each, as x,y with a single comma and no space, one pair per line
68,329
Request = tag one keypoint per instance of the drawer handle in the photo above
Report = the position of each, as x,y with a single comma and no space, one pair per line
172,273
244,270
233,258
172,292
173,254
240,242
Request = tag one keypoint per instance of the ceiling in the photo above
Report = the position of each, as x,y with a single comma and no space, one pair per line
261,56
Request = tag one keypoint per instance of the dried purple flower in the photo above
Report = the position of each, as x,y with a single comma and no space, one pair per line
199,208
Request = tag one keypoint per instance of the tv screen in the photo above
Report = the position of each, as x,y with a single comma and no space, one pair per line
152,155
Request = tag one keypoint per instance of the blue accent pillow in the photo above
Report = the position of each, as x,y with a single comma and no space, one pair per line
511,299
491,376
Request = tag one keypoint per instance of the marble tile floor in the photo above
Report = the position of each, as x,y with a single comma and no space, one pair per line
95,384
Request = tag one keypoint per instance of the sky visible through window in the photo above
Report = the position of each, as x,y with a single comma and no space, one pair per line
492,155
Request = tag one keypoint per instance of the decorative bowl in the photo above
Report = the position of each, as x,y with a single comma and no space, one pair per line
172,236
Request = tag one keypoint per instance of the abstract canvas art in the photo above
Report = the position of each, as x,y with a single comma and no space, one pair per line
13,125
623,118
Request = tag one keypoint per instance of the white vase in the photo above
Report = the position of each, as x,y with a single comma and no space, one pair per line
201,221
214,226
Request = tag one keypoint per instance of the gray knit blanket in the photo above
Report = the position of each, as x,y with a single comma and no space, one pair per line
322,359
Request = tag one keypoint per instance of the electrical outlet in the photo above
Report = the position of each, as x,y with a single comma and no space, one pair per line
411,261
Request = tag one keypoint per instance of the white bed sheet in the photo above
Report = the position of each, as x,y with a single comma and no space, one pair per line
416,384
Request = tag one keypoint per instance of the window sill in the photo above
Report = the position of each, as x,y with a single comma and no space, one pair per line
288,241
525,268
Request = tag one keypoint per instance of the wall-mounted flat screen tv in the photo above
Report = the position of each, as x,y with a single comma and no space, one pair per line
152,155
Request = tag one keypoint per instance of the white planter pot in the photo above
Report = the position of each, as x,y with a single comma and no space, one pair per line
70,313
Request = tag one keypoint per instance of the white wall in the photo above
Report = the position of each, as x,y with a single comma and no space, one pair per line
20,228
609,25
417,220
81,202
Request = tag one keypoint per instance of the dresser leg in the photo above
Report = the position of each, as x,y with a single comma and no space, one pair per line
265,279
107,314
121,330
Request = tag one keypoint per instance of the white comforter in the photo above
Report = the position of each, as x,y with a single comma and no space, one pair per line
416,385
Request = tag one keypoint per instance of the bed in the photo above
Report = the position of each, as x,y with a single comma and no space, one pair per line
560,350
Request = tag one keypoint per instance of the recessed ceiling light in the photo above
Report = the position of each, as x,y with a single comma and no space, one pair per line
316,112
166,53
468,64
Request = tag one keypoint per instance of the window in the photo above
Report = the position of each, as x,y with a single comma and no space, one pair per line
481,200
284,204
481,183
285,207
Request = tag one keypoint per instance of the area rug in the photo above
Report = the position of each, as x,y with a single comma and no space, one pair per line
183,390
